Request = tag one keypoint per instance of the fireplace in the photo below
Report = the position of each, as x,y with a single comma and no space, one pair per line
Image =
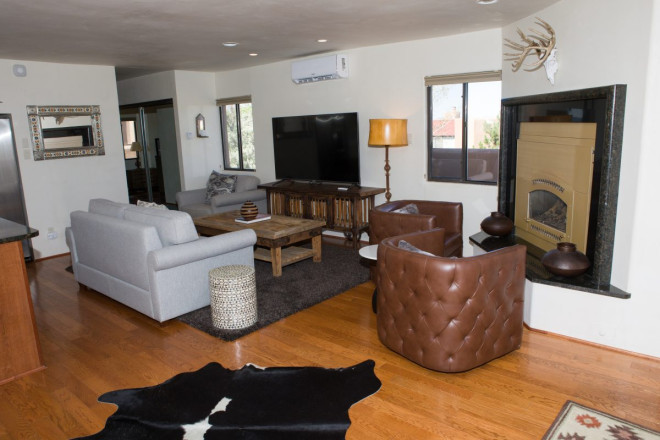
554,173
546,206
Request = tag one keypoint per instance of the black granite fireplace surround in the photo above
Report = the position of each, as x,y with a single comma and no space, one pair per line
605,106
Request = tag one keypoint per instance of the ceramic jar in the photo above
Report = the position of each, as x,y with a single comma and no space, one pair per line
566,260
497,224
249,210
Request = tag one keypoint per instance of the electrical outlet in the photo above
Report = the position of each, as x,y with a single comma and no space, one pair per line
52,235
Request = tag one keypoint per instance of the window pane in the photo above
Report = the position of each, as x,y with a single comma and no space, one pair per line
447,131
247,137
231,147
483,130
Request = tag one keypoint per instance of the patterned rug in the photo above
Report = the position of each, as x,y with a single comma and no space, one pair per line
577,422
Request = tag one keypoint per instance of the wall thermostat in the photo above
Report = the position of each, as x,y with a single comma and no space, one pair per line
19,70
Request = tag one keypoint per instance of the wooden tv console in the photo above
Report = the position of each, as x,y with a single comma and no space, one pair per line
344,210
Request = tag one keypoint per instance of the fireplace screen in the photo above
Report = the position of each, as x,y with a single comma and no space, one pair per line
547,208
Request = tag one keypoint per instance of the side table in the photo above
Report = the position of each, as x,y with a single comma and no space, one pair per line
371,253
233,296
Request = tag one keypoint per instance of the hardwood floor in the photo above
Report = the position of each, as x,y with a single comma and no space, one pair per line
92,345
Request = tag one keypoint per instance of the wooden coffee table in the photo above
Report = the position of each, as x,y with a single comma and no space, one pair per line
275,236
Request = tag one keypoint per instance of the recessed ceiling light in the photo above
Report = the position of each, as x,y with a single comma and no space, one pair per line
230,44
486,2
253,54
322,40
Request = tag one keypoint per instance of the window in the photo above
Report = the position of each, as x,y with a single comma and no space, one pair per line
237,133
464,127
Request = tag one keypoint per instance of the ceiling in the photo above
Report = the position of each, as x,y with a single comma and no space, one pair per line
145,36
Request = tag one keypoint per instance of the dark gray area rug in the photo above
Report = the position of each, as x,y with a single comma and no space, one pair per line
301,285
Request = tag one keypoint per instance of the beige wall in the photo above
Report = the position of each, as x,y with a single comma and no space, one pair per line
384,82
54,188
602,43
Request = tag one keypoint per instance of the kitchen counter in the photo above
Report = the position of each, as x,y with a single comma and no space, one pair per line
20,352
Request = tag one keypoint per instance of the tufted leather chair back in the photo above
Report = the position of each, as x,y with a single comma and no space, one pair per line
384,223
449,314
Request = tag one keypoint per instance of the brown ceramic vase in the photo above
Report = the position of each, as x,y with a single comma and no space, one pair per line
497,224
249,210
565,261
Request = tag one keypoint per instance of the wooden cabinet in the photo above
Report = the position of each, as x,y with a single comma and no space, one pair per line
20,352
345,210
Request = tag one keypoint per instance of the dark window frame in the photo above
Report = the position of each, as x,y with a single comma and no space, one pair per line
239,136
464,129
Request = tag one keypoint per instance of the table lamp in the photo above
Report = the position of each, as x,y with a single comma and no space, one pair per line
388,133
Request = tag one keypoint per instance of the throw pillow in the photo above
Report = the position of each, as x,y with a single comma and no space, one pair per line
410,208
403,244
219,184
150,204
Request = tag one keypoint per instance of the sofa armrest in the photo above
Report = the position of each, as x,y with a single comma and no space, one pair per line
180,254
237,197
191,197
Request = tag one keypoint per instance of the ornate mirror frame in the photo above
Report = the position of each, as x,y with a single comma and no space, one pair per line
35,113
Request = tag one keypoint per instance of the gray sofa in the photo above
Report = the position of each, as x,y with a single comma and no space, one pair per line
150,259
194,201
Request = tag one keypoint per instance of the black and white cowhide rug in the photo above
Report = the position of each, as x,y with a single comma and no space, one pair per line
251,403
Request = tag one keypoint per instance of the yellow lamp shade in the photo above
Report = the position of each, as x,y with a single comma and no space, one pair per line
388,132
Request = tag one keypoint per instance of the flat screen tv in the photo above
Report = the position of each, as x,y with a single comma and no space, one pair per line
321,148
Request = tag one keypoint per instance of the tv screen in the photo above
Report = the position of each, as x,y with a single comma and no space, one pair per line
322,148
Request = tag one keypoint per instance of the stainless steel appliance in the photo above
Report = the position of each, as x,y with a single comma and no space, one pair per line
12,204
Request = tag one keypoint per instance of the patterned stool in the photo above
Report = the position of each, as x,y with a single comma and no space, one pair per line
233,297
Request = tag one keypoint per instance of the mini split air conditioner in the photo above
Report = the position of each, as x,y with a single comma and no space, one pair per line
319,69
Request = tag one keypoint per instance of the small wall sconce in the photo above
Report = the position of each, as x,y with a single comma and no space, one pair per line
200,124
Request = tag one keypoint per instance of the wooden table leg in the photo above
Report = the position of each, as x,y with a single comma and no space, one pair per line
316,249
276,261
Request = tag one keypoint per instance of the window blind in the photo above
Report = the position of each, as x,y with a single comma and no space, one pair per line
460,78
235,100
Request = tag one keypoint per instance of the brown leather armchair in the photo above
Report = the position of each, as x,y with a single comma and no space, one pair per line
384,223
449,314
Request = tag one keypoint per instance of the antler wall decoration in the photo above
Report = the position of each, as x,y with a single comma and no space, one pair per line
540,43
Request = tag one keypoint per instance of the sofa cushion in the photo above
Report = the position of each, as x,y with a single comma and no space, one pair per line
410,208
146,204
403,244
174,227
108,207
218,184
246,183
197,209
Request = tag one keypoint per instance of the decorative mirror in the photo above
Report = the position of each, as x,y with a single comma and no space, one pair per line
65,131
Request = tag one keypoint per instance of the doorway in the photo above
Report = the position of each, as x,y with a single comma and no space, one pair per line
150,152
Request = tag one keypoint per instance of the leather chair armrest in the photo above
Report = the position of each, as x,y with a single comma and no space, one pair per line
449,215
384,224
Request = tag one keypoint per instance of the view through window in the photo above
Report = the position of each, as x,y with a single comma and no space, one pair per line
237,134
464,128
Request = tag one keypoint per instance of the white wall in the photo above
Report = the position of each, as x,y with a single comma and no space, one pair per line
602,43
192,93
54,188
195,94
384,82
